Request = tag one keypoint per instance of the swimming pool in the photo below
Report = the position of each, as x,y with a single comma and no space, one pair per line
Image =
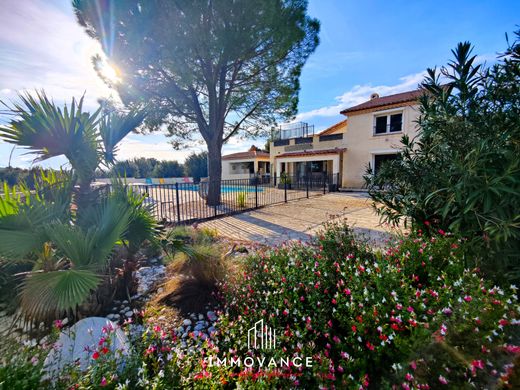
224,189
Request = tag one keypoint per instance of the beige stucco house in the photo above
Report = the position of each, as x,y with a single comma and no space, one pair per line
243,165
298,153
370,135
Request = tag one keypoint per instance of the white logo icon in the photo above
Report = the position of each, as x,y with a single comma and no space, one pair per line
260,336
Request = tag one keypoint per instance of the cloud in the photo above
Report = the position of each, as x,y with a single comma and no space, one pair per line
359,94
42,46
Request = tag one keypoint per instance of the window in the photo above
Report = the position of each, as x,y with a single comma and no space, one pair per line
380,159
242,168
388,123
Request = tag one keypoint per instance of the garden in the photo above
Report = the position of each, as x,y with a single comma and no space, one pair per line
95,293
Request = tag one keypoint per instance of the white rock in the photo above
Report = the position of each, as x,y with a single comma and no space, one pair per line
125,302
129,313
211,316
201,317
78,342
186,322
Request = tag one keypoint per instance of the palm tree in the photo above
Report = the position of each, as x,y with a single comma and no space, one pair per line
86,140
68,252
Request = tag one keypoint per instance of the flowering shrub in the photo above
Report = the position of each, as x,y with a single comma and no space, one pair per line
358,314
343,316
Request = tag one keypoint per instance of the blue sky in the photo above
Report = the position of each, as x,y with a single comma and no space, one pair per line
366,46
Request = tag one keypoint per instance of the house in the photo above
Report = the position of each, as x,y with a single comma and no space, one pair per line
297,151
369,136
243,165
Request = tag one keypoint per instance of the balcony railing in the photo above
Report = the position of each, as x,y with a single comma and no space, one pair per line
292,130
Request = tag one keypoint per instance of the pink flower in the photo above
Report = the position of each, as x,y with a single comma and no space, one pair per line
95,355
442,232
334,301
512,348
468,298
347,291
478,364
443,380
408,377
410,309
58,324
103,382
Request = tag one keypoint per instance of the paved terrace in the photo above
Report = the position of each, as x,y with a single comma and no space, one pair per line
299,220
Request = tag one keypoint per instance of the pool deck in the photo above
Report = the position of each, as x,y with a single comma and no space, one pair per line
301,219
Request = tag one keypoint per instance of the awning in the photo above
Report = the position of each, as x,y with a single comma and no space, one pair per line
305,153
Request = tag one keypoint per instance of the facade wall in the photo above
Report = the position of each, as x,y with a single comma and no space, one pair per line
362,144
227,171
336,159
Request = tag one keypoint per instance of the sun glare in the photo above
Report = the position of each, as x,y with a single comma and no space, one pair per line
109,72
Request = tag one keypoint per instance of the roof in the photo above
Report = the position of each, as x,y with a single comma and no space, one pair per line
312,152
334,128
249,155
397,98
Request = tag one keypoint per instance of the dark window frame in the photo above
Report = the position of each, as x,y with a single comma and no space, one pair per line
390,127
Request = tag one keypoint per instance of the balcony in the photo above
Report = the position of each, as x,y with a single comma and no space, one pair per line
287,131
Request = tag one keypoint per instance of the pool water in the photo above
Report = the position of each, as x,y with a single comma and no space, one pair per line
223,189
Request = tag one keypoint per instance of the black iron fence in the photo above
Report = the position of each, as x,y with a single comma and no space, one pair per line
182,203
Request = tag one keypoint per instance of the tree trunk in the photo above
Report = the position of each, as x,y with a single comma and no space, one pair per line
214,173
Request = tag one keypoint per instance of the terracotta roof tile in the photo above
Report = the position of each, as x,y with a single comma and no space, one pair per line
402,97
246,155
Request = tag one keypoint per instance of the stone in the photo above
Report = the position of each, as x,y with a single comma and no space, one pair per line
211,316
129,313
201,317
199,327
77,343
186,322
125,302
211,330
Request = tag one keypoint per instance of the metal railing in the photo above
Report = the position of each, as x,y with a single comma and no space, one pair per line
292,130
183,203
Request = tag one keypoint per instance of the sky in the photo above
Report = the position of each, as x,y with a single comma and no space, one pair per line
366,46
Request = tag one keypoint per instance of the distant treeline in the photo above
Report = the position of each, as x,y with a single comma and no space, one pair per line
196,166
17,175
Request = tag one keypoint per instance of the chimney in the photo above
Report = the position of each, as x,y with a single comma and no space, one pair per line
374,96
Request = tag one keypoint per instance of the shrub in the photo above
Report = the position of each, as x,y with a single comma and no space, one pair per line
409,317
241,199
357,313
462,172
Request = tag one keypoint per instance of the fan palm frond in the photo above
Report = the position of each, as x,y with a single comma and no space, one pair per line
115,126
46,129
50,294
